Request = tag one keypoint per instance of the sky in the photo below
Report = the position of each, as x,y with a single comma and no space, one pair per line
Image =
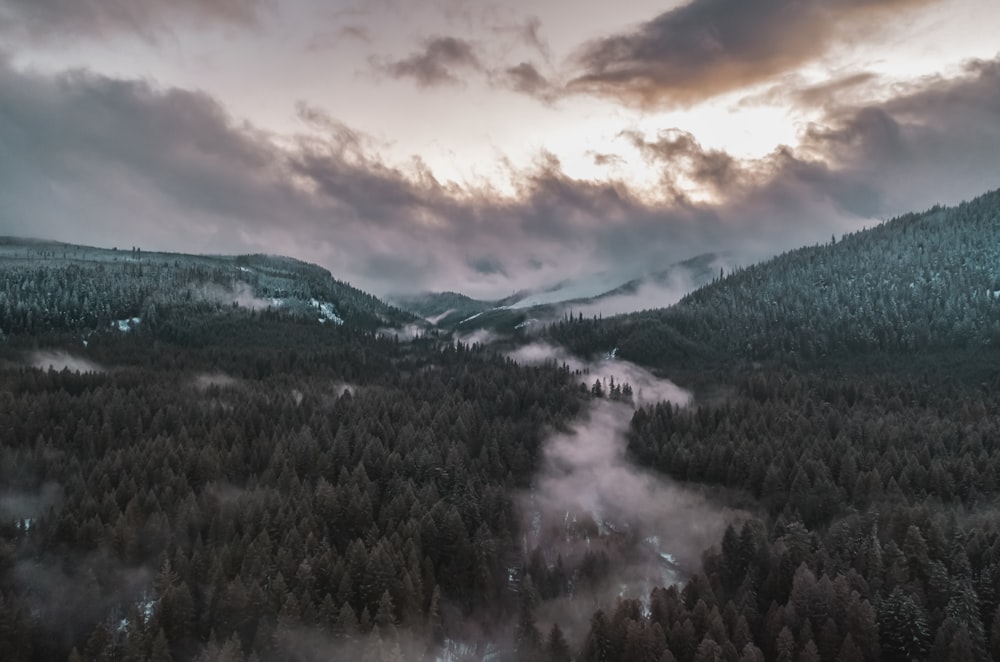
490,147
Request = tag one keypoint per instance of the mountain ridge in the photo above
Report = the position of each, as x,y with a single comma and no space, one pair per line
51,285
456,311
919,283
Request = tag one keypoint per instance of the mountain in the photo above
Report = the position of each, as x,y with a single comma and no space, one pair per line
51,286
697,270
437,307
599,294
199,462
920,284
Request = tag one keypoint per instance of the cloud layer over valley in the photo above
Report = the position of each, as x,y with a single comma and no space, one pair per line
96,156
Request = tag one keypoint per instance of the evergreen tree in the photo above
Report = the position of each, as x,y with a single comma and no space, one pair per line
903,628
527,638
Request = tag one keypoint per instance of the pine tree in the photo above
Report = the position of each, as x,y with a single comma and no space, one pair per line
903,628
346,626
161,649
708,651
556,646
751,653
995,636
435,626
849,651
785,646
962,648
964,609
597,646
809,653
527,638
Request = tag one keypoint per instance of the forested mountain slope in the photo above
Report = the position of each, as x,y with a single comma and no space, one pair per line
222,482
228,482
881,486
49,286
927,282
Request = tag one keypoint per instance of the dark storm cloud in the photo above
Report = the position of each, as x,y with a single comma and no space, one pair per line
437,62
85,158
941,136
526,79
713,168
708,47
101,158
99,18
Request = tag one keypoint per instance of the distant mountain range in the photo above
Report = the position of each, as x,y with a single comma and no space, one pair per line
593,296
921,284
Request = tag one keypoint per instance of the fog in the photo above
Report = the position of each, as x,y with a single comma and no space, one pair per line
59,360
651,292
27,506
68,592
405,333
647,388
586,472
590,498
218,379
477,337
309,645
241,294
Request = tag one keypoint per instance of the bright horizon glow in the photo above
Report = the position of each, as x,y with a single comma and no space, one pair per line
467,151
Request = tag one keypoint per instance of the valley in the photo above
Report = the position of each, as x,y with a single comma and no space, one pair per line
244,458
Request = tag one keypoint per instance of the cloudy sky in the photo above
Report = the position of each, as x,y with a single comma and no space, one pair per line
489,146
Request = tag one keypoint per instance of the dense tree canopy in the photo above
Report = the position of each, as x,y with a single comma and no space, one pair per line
238,475
921,283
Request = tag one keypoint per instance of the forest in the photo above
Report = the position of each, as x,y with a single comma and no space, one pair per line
924,284
237,476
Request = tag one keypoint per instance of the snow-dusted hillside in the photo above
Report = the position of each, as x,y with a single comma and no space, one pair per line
50,286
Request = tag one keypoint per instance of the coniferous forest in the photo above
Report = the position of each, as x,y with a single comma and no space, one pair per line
212,458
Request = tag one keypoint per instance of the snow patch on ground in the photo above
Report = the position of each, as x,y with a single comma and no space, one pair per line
126,325
588,286
470,318
434,319
460,651
146,607
327,313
